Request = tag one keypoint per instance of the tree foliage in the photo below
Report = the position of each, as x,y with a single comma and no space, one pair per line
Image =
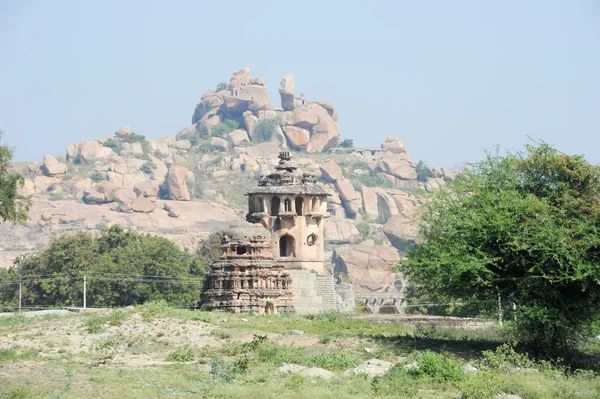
523,226
225,127
346,143
122,268
265,128
13,207
221,86
423,171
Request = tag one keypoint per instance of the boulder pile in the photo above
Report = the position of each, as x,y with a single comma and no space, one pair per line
299,125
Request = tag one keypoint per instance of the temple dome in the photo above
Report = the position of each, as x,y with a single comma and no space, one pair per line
247,232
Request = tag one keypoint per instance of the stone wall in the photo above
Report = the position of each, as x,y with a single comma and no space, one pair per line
304,288
326,290
345,299
315,294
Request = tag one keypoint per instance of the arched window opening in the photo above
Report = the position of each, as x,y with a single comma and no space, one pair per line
288,205
312,240
275,204
315,205
241,250
260,207
286,246
299,206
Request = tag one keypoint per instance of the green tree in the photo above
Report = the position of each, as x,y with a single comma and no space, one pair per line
423,171
265,128
122,268
522,228
347,143
221,86
13,207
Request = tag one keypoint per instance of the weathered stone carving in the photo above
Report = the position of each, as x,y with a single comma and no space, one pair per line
247,278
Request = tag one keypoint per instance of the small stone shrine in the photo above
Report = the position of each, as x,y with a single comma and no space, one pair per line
247,278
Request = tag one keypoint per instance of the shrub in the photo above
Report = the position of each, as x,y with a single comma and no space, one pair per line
148,168
67,176
181,354
57,196
365,229
439,367
95,324
134,138
265,128
96,176
423,172
225,127
347,143
373,180
115,145
225,371
231,124
221,86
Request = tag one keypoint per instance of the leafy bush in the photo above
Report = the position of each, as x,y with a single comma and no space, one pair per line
96,176
95,324
365,229
505,357
347,143
134,138
148,168
423,172
221,86
439,367
265,128
225,371
67,176
115,145
181,354
371,179
223,128
60,196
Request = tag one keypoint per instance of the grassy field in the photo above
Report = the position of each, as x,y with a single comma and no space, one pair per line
153,351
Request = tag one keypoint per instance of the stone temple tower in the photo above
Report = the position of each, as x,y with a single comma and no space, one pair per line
291,205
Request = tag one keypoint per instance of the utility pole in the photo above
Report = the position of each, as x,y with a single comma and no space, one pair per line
20,282
499,309
84,291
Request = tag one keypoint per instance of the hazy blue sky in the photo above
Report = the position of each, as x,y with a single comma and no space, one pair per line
450,78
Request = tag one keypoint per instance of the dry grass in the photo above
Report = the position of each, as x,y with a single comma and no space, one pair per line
49,357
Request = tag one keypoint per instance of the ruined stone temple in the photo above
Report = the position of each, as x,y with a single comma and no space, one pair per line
278,258
246,278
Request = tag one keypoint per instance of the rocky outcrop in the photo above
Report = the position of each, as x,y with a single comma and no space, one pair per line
287,89
297,137
401,231
369,267
398,165
394,145
350,199
90,151
304,126
123,132
331,172
143,205
176,187
52,167
340,231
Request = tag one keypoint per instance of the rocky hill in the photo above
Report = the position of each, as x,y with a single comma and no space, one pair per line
188,185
